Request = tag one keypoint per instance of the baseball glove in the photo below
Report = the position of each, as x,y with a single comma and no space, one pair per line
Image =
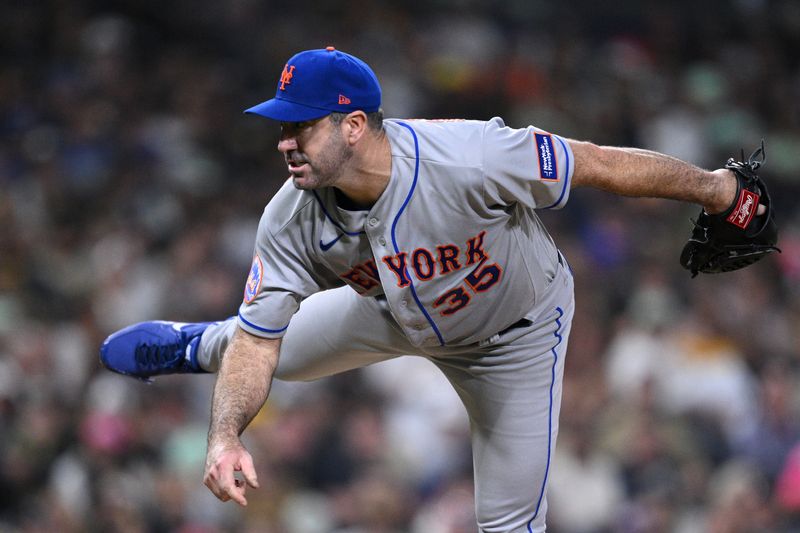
737,237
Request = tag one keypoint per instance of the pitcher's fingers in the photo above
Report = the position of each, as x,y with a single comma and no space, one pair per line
226,481
249,471
228,487
213,485
236,492
761,209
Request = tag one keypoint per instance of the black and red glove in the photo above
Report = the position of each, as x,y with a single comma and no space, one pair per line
739,236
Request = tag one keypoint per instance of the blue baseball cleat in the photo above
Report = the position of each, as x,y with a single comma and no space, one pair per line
154,348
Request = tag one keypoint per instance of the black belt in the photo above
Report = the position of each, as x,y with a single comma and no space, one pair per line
521,323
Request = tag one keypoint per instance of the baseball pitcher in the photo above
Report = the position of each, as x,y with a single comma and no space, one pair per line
421,237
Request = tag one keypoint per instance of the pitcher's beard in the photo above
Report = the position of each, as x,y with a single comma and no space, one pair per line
326,168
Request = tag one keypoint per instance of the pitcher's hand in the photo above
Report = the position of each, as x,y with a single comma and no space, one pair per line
223,460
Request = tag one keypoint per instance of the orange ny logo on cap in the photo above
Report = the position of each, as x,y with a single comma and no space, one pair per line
286,76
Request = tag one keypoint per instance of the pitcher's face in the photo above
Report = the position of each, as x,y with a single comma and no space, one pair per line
315,152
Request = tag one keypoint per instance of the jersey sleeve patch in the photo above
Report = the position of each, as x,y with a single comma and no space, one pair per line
548,167
253,285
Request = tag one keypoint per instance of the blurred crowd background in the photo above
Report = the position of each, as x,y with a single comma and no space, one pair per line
130,189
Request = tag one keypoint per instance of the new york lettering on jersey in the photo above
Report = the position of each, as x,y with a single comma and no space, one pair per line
425,264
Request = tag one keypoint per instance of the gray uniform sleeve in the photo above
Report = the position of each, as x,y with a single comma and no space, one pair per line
529,166
281,276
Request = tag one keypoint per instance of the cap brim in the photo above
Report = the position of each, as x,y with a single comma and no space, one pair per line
286,111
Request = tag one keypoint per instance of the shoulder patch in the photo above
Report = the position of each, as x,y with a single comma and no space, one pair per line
253,284
548,170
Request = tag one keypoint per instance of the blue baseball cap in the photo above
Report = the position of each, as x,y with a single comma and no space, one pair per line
316,83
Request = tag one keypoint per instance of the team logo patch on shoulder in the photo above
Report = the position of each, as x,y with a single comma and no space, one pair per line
253,284
548,170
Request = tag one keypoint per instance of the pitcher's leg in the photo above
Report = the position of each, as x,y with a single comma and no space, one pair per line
338,330
513,397
333,331
213,343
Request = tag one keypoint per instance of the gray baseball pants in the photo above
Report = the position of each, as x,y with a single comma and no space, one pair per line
510,385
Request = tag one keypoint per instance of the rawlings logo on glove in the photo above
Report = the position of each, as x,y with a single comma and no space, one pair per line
744,211
737,237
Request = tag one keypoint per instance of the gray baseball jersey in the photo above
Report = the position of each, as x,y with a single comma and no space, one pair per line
451,263
453,243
